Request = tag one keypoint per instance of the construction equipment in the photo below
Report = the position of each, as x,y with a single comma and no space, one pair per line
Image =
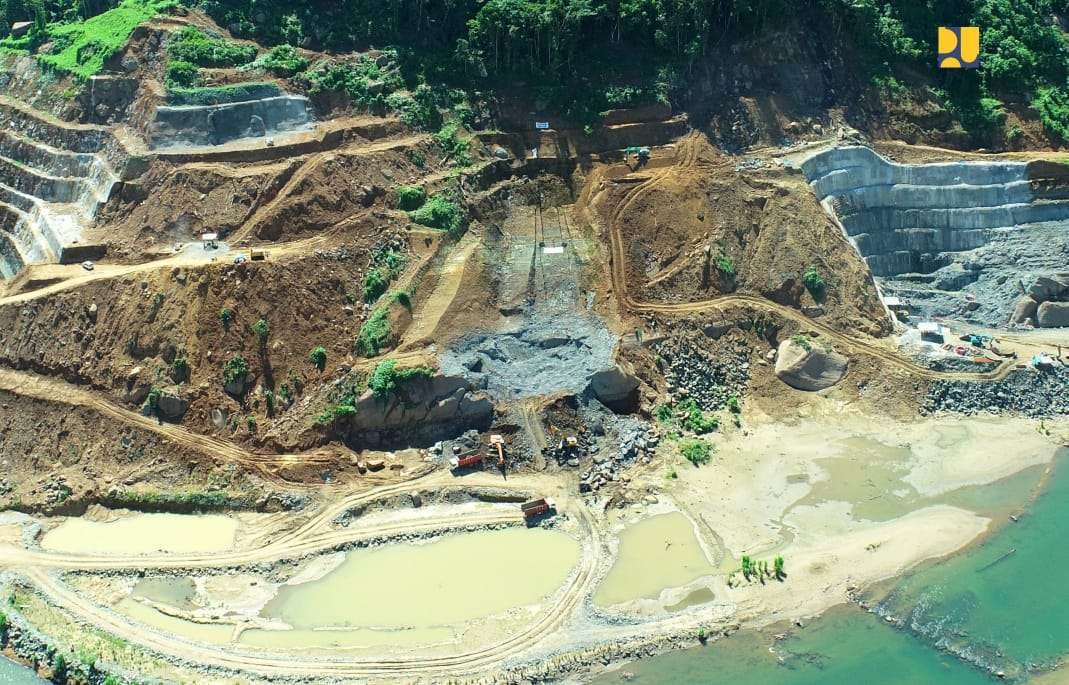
499,441
537,507
466,459
257,255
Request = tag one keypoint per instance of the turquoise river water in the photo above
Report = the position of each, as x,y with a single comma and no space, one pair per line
1002,605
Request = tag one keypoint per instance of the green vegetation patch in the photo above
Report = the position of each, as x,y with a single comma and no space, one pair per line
217,95
82,47
695,420
374,335
235,369
196,47
814,282
410,198
802,341
388,265
442,213
192,500
697,452
387,379
282,60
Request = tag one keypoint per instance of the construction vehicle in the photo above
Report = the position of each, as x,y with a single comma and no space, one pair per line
537,507
499,441
466,459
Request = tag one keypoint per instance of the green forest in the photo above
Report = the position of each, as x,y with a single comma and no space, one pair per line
626,52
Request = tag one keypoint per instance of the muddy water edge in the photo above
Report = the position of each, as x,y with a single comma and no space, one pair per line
997,607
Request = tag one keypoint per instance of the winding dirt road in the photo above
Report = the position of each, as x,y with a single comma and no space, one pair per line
688,157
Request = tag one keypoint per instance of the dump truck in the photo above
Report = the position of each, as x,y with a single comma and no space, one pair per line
465,460
537,507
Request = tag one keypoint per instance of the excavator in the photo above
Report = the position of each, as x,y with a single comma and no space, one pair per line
499,442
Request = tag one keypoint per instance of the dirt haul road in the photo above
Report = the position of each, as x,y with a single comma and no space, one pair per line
41,570
688,157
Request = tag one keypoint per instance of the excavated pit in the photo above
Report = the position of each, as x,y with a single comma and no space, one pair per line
954,239
200,125
48,194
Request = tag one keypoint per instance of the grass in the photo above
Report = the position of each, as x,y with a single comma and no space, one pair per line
387,379
82,47
802,341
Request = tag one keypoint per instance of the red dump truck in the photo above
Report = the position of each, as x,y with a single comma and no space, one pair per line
464,460
537,507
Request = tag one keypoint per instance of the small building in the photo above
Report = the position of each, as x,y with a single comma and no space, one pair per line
931,332
896,306
210,240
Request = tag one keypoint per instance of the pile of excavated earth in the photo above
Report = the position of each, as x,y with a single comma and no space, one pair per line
243,371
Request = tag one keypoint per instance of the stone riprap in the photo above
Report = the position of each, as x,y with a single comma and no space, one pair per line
933,233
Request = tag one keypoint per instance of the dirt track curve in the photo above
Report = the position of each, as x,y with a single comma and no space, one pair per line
688,156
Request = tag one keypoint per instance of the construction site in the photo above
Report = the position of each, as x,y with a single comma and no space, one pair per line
267,416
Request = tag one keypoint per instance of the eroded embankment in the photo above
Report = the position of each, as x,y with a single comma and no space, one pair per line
936,232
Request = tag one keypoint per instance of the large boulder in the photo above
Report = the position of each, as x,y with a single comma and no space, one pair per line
614,388
807,366
1053,314
1047,287
1025,310
172,406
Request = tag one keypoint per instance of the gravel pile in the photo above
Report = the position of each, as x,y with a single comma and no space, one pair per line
1033,393
692,372
954,364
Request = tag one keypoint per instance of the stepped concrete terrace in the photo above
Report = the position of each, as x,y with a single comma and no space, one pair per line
53,178
935,233
200,125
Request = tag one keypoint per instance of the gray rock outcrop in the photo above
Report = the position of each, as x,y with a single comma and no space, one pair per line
172,406
1047,303
809,369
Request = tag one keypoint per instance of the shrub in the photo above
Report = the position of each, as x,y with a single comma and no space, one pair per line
250,421
725,266
282,60
194,46
318,357
814,282
410,197
777,565
402,298
1053,107
375,283
696,421
335,412
261,329
734,406
59,667
663,413
153,398
457,150
441,213
387,378
697,452
269,400
375,333
235,369
182,74
802,341
226,317
180,369
217,95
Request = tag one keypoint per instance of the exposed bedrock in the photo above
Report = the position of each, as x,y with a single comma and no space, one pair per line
423,411
933,232
217,124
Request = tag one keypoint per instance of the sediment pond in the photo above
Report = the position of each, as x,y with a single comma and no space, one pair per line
656,554
143,534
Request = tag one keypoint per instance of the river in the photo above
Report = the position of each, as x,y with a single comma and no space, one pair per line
998,606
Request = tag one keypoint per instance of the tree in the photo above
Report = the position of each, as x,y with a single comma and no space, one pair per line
261,329
318,357
778,568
